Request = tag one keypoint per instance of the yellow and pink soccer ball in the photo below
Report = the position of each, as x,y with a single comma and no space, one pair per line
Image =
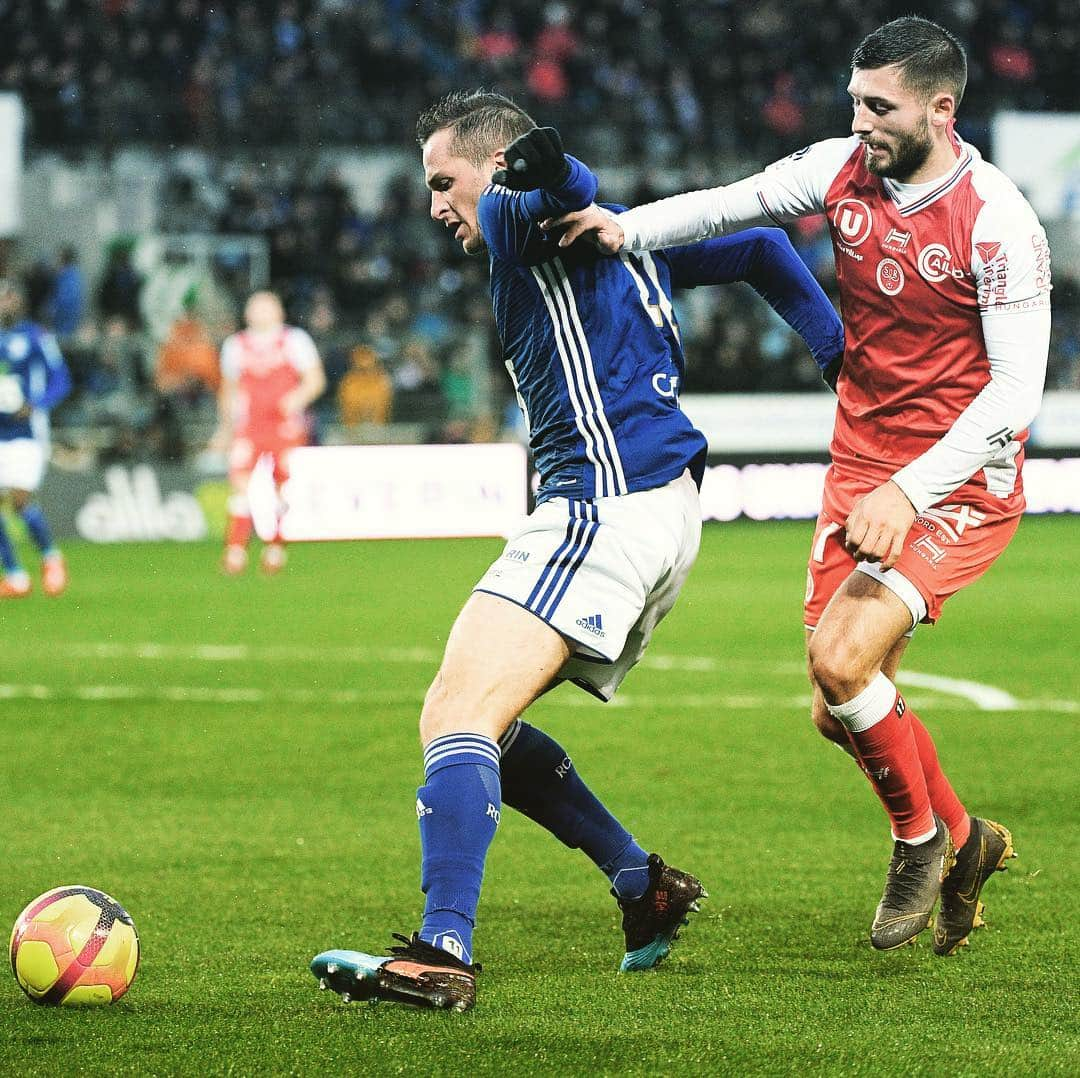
74,945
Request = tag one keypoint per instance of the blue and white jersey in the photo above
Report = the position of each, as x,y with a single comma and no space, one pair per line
32,373
592,342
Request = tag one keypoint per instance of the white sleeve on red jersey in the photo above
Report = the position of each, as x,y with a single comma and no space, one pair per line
1010,260
301,350
230,358
793,187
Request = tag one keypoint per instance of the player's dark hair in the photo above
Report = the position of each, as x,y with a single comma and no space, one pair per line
481,122
929,57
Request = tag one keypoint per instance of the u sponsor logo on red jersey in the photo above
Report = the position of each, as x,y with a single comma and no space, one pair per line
890,276
936,263
852,220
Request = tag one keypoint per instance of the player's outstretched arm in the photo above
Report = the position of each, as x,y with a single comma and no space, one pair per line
765,259
794,187
593,224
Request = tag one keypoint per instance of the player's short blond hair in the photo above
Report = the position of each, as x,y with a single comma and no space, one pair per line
481,123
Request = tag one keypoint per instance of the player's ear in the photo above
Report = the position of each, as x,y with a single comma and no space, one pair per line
500,159
942,109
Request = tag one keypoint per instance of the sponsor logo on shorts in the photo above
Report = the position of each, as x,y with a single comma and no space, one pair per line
926,548
421,809
494,813
516,555
890,276
592,624
950,521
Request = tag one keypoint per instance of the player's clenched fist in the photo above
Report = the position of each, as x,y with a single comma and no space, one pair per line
535,159
878,525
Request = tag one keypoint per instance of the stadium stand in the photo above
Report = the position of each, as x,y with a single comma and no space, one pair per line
684,93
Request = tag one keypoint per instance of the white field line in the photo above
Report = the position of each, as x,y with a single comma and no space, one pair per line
983,697
202,694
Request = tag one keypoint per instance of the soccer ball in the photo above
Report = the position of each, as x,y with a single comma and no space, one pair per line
74,945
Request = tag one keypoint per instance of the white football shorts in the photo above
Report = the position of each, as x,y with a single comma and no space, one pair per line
22,464
603,573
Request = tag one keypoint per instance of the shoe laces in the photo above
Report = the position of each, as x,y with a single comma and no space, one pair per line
422,951
906,871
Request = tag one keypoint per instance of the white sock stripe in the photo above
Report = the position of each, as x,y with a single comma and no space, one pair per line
484,748
488,748
506,742
918,840
868,708
488,752
482,739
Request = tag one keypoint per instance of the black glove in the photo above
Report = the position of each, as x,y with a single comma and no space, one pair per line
535,159
831,371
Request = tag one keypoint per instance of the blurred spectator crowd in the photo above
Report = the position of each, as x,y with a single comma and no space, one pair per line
400,315
659,80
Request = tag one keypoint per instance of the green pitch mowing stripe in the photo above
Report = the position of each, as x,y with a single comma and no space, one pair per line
236,761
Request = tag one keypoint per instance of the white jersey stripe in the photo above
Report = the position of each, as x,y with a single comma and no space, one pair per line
590,373
662,297
593,404
566,346
520,399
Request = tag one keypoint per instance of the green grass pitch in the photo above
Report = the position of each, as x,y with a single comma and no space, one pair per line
236,760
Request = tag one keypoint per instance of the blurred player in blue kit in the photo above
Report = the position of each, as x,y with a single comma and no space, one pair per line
593,349
33,380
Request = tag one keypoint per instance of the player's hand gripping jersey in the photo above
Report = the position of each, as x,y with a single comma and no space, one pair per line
592,344
265,370
945,294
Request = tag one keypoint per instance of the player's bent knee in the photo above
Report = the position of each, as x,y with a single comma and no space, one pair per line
450,709
836,665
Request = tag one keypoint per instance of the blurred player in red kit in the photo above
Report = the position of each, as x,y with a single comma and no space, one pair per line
270,374
944,277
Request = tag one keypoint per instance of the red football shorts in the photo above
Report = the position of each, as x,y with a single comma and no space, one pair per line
949,546
244,454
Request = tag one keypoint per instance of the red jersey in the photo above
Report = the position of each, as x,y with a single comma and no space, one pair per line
945,295
265,369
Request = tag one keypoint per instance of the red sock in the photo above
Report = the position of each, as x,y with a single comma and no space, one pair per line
890,758
238,530
942,796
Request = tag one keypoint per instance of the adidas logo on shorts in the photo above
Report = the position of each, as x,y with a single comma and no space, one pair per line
592,624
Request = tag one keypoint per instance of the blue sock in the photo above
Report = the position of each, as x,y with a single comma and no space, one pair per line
38,527
458,809
540,781
8,558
